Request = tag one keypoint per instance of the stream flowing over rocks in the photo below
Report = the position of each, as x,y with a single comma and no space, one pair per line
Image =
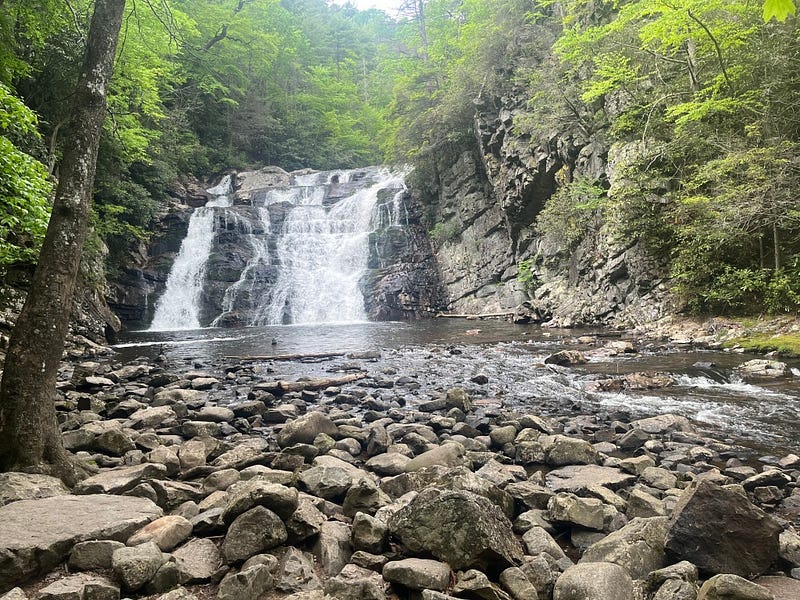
413,471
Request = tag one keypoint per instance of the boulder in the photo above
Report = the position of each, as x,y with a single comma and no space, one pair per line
733,587
581,478
446,455
459,528
638,547
475,584
198,560
93,555
36,535
595,581
27,486
569,508
330,483
566,358
333,549
253,532
295,572
167,532
418,574
304,429
247,584
720,531
279,499
356,583
120,480
762,369
82,585
135,566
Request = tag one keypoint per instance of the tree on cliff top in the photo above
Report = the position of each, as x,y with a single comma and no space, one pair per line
29,435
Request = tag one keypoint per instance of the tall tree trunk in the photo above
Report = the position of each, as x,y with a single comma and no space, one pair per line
29,435
776,242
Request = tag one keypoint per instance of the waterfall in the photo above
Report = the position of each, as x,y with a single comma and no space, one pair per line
179,305
298,252
323,251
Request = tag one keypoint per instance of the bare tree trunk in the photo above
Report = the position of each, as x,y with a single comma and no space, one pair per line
776,246
30,439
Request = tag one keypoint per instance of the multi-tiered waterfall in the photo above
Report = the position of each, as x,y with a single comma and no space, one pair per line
280,248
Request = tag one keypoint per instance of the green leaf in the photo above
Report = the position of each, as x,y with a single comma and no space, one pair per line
778,9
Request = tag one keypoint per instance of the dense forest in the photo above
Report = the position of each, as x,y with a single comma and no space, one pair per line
708,90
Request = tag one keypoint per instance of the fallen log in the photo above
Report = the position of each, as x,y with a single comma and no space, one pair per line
289,357
472,317
281,387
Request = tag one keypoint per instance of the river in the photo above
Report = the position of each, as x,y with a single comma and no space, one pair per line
437,354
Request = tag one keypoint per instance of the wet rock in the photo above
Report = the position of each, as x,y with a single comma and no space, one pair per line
566,358
167,532
198,560
251,533
418,574
762,369
36,535
458,398
459,528
304,429
135,566
25,486
595,581
355,583
732,587
81,586
720,531
662,424
247,584
638,547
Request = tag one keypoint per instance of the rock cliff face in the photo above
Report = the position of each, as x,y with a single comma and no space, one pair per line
484,211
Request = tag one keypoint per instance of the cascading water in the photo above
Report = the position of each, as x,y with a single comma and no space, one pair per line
179,306
302,246
323,253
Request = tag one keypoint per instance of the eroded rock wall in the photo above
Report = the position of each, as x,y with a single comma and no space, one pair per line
483,216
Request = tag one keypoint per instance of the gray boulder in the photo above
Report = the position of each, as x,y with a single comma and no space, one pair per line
355,583
121,480
333,549
37,535
638,547
198,560
595,581
721,531
569,508
418,574
26,486
304,429
93,555
247,584
251,533
242,497
295,572
733,587
459,528
84,586
167,532
135,566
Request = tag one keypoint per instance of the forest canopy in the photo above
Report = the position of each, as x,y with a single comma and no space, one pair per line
707,87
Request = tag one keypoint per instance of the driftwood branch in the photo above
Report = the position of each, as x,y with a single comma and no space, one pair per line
281,387
475,316
289,357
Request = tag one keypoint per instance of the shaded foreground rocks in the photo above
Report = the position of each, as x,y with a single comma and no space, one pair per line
218,484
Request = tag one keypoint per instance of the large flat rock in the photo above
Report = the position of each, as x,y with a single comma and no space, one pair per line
578,478
37,535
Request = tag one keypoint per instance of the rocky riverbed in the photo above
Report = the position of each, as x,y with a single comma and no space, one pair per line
392,475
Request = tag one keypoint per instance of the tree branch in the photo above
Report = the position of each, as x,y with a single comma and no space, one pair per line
716,46
221,35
